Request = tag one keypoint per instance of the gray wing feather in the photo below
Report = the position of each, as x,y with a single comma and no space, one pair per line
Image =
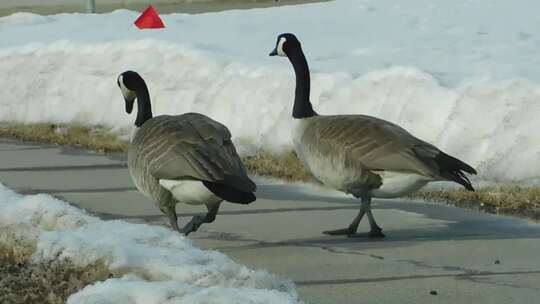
190,146
368,142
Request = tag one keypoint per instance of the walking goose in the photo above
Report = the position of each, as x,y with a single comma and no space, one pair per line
186,158
362,155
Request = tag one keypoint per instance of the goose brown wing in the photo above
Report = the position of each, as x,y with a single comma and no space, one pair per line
191,146
360,141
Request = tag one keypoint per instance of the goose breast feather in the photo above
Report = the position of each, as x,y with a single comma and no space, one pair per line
189,146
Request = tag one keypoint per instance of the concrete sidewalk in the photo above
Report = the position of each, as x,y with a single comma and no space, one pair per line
432,253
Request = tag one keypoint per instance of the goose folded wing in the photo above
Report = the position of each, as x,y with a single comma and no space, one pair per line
202,151
378,145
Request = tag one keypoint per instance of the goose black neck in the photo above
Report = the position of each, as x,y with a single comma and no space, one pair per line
302,106
144,108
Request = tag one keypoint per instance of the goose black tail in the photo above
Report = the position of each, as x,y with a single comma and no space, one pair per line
229,193
454,169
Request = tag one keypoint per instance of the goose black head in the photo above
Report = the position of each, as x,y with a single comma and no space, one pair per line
130,83
285,43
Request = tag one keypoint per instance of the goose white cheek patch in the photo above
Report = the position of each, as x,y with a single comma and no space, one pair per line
280,51
128,94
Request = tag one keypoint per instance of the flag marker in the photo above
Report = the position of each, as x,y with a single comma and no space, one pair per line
149,19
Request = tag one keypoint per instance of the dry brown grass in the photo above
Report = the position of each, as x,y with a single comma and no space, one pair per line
14,246
285,166
52,282
513,200
96,138
507,199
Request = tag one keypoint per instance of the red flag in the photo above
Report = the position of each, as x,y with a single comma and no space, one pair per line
149,19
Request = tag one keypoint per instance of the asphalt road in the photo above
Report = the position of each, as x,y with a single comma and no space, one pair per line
433,253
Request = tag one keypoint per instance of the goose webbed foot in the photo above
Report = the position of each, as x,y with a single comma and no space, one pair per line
376,232
345,231
198,220
372,234
193,225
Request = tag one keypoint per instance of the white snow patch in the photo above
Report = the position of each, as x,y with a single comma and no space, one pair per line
171,267
19,19
449,72
133,290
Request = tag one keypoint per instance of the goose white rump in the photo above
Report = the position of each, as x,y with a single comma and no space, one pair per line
190,192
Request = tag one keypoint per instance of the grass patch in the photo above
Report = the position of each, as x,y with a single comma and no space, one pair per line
505,199
285,166
511,200
96,138
52,282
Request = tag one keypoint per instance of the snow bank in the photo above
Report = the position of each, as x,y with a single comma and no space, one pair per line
171,267
131,289
449,72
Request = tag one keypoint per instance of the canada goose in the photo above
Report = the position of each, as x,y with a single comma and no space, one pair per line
186,158
362,155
